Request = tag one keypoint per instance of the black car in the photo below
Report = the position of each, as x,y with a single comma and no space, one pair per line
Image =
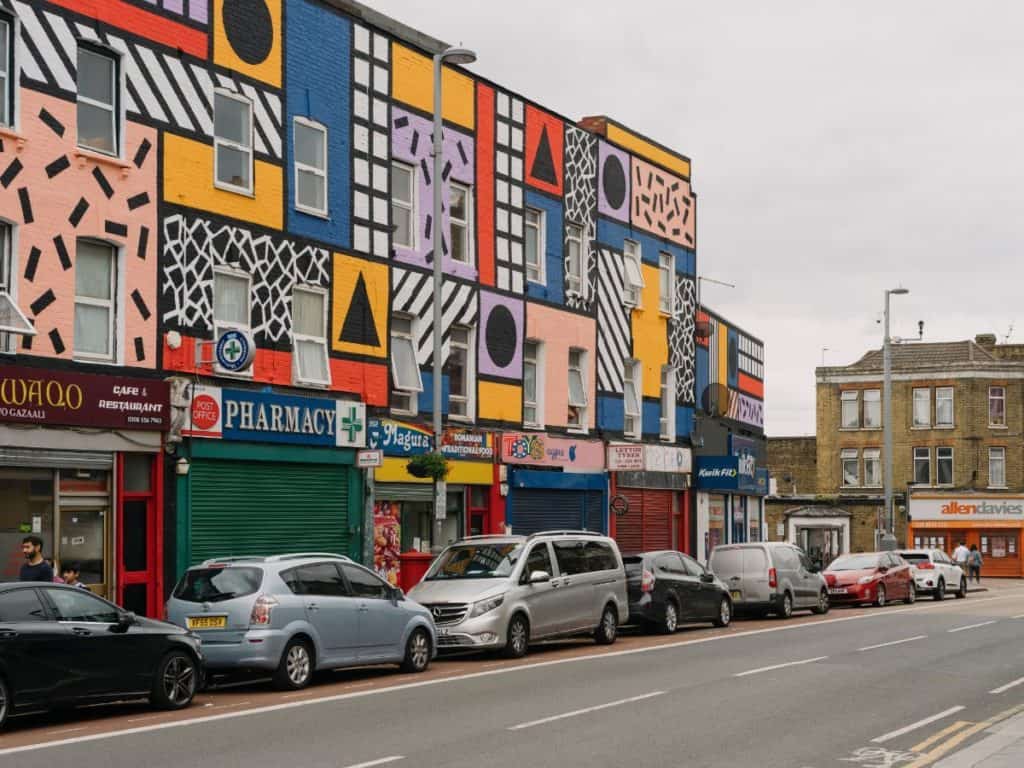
668,588
63,645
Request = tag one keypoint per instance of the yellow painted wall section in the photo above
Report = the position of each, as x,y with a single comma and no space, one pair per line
413,82
722,339
648,151
347,271
466,472
650,334
188,180
268,70
503,402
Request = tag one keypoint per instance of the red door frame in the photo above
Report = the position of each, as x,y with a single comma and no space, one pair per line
153,576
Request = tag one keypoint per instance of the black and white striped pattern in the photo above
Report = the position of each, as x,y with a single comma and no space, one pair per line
412,294
371,142
713,330
160,87
614,339
510,132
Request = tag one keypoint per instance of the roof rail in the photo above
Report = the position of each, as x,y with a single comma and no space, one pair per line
478,537
235,559
566,533
303,555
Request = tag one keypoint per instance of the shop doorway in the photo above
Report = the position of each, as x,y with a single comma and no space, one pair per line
822,545
140,534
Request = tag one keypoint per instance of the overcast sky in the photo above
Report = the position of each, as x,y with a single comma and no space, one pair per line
838,148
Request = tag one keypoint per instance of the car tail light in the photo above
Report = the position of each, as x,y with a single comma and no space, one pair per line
773,578
260,615
647,581
926,566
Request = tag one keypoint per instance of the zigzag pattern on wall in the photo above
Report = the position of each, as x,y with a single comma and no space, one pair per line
371,145
508,174
581,205
614,339
412,294
682,347
193,246
160,87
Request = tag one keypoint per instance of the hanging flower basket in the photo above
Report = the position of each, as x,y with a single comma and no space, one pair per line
432,465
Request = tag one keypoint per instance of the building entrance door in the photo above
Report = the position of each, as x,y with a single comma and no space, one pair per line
822,545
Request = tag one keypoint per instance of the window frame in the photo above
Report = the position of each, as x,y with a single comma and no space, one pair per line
667,265
876,401
872,456
538,378
220,326
229,144
940,397
470,375
1000,451
297,376
845,398
927,401
632,292
939,459
297,166
8,280
404,337
540,228
846,455
921,454
1000,398
574,234
466,224
410,205
111,304
11,75
581,408
115,109
632,377
667,419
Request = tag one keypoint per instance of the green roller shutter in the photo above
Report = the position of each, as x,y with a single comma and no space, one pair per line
263,508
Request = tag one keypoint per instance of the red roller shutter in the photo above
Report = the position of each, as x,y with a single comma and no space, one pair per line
629,527
647,526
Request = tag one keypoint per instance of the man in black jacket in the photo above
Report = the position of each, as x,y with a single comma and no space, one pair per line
35,567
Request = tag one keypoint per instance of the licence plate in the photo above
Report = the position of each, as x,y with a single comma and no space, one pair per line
443,631
736,594
206,622
838,591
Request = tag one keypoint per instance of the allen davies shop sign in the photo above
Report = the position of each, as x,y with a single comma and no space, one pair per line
47,397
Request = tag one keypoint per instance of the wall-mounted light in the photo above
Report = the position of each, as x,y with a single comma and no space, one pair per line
181,467
503,489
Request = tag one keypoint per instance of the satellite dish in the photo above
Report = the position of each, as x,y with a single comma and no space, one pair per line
714,401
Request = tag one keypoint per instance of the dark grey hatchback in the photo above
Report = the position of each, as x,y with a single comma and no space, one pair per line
668,588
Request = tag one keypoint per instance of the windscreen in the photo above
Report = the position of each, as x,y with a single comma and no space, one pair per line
854,563
211,585
476,561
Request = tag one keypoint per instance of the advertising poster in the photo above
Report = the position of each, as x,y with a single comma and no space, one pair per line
387,540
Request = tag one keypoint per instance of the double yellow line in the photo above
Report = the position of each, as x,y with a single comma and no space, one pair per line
955,735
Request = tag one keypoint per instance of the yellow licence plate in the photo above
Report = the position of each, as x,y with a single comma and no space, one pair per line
735,595
207,622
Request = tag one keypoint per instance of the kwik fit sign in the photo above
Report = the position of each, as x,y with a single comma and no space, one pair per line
731,473
267,417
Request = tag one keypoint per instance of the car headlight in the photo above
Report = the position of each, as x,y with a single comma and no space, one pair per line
866,579
482,607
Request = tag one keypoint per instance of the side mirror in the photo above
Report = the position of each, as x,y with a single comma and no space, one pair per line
539,577
815,568
707,578
124,621
397,594
883,569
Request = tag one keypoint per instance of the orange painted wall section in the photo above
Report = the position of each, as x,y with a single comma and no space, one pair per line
141,22
751,385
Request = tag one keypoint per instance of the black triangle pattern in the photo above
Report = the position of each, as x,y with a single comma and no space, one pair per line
543,168
359,326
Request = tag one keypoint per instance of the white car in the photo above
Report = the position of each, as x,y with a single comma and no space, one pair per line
934,572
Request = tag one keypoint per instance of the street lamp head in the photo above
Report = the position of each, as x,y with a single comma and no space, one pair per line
899,291
461,56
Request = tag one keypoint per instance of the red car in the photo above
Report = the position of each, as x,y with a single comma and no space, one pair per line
872,577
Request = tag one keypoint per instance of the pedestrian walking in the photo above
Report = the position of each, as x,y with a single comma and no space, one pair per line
35,567
72,573
974,562
961,555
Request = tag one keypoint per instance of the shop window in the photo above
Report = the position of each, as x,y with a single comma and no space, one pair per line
1000,545
944,406
633,286
574,277
872,409
851,410
27,508
667,419
99,108
232,142
403,205
135,536
850,466
922,466
997,406
459,370
666,283
944,466
310,160
95,300
533,384
460,224
405,370
922,407
7,70
997,467
232,292
534,249
631,399
872,467
578,403
309,331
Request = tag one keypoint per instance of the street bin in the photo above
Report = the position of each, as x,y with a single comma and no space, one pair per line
414,567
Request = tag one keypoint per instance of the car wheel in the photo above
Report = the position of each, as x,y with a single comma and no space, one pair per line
962,592
296,668
518,640
608,629
671,621
417,652
911,594
822,607
724,617
940,590
785,609
880,597
5,702
177,678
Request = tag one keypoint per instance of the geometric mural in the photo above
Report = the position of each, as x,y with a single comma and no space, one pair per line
508,174
544,137
662,204
412,294
371,115
613,182
682,349
359,306
614,338
581,205
501,336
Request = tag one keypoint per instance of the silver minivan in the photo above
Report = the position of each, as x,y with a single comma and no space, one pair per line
504,592
770,577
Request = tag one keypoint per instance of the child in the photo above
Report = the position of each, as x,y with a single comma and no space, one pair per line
71,573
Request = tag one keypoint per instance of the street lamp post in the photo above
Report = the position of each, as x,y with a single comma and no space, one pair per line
451,56
889,539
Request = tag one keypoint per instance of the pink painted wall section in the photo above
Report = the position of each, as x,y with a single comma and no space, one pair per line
53,195
559,331
663,204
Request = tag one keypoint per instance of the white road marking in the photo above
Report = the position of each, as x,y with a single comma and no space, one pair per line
894,642
972,626
1008,686
780,666
381,761
1019,616
588,710
914,726
499,671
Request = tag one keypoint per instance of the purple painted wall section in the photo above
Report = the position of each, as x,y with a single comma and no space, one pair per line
502,324
198,10
613,182
410,143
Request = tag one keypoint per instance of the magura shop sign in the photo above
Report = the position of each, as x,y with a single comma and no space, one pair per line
48,397
967,508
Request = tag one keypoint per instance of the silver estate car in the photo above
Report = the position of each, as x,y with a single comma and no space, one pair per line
293,614
503,592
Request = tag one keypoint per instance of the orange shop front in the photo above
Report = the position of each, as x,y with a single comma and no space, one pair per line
993,523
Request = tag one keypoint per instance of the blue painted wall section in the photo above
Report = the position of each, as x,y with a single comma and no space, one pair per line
554,265
613,233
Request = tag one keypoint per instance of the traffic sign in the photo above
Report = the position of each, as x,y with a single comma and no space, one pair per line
370,458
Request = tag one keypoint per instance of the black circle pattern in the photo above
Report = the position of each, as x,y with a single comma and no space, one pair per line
613,181
249,28
500,336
